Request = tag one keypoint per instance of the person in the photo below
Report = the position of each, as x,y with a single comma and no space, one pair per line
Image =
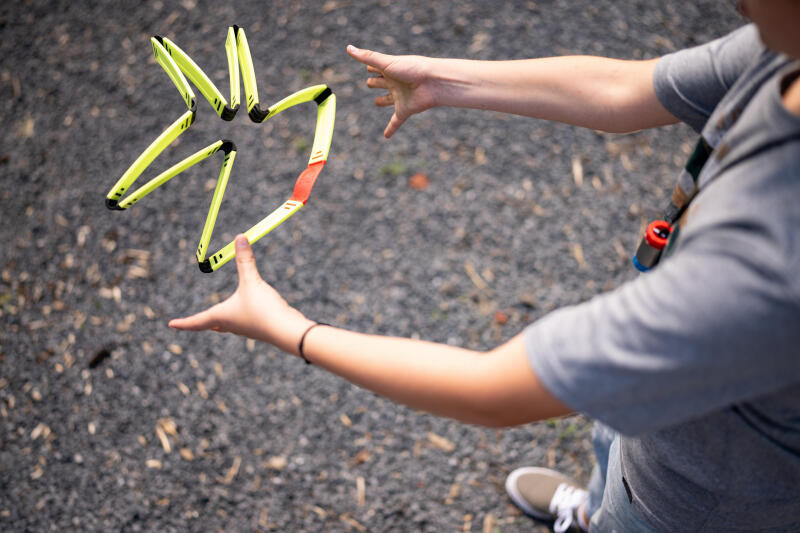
694,365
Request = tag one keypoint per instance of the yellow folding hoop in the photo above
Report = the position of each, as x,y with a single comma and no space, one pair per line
179,66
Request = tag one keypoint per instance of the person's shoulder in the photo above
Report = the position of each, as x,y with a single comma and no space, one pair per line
690,83
736,51
746,35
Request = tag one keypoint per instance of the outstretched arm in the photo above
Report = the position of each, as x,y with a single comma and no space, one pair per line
594,92
495,389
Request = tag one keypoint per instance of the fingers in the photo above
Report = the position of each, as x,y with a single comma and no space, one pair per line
370,58
385,100
394,124
377,64
378,82
245,261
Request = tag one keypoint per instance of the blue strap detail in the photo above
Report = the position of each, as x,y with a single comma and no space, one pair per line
640,267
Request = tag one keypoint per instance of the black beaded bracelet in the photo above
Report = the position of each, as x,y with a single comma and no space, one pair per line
303,340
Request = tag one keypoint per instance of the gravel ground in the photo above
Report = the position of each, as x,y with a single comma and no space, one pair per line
110,421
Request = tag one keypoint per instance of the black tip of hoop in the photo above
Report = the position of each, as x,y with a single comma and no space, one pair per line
205,267
257,115
227,146
228,113
113,205
159,38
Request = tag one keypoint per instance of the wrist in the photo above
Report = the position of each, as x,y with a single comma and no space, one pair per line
450,81
296,336
441,80
301,345
283,332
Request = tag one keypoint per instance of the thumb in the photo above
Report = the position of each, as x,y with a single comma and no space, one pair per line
369,58
203,320
245,261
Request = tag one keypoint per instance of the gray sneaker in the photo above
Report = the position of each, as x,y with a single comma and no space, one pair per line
549,496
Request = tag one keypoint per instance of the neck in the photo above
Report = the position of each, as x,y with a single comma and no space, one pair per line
791,96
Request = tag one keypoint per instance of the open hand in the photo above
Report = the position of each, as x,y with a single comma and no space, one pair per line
255,310
408,80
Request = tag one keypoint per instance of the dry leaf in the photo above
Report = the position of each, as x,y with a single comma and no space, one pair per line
479,42
187,454
361,492
233,470
352,522
169,426
577,253
345,420
476,279
441,442
626,162
467,522
577,171
106,292
164,439
480,156
362,456
489,522
83,232
25,129
419,181
137,272
154,463
455,489
276,462
40,430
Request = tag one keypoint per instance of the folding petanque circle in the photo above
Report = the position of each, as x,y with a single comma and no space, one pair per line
178,66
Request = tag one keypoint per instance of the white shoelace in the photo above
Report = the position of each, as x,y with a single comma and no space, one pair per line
564,505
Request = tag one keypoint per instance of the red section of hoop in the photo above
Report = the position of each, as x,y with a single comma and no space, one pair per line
305,182
652,234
